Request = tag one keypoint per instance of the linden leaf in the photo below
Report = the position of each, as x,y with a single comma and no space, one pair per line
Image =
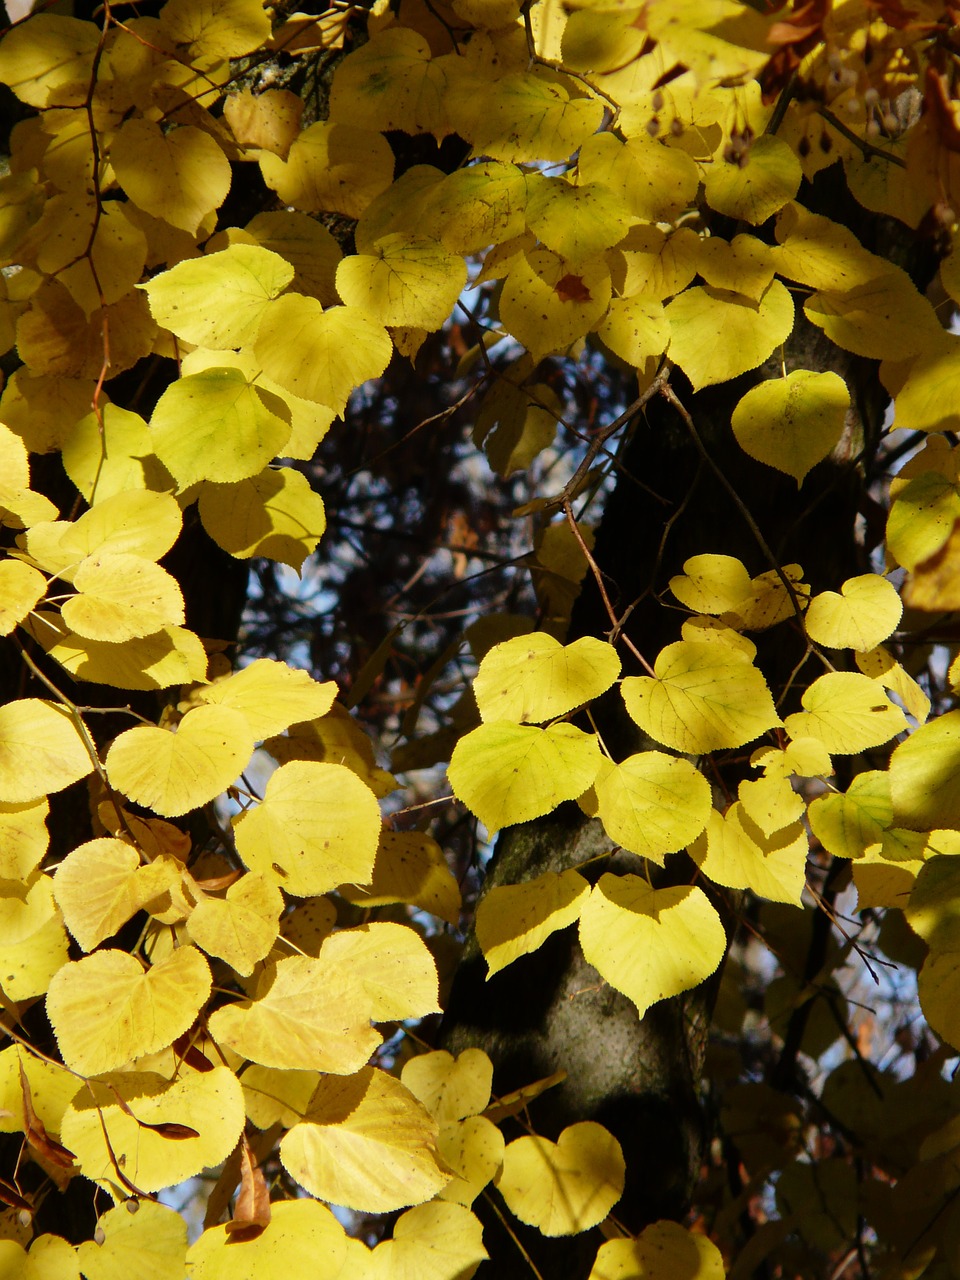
715,336
151,1242
180,176
208,1102
28,966
883,319
273,1097
410,867
174,772
21,587
479,206
508,773
515,919
171,655
734,852
217,423
101,884
864,614
23,837
769,179
847,712
121,597
242,278
302,1238
567,1186
307,1019
848,823
110,455
473,1149
270,696
703,699
450,1088
431,1242
390,967
331,166
241,928
136,523
214,28
652,804
711,584
925,775
533,678
106,1010
366,1143
403,281
41,750
650,943
528,115
391,82
320,355
317,826
663,1251
792,423
547,305
927,398
656,182
47,62
577,222
275,514
635,329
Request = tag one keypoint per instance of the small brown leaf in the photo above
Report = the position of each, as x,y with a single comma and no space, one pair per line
251,1214
570,288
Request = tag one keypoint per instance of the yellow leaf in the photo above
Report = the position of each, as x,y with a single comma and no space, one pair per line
716,335
318,825
41,411
768,180
391,82
867,610
390,968
137,523
567,1186
105,1009
275,514
744,264
522,115
300,240
656,182
51,1088
473,1149
242,278
701,699
23,837
927,399
410,867
101,884
576,222
321,355
214,29
218,423
331,166
847,712
450,1088
269,121
209,1102
307,1020
514,919
302,1238
821,253
711,584
151,1243
49,60
77,239
121,597
270,696
652,804
174,772
635,329
21,587
277,1097
533,678
922,518
548,303
849,823
56,338
335,738
366,1143
180,176
171,655
884,319
508,773
403,281
792,423
770,802
735,852
27,967
108,456
879,665
648,261
925,775
664,1251
479,206
648,943
25,907
430,1242
768,602
241,928
933,585
40,750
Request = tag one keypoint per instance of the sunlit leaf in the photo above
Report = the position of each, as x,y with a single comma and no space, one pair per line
523,116
847,712
151,1243
40,750
865,612
651,803
275,514
403,281
302,1238
21,587
564,1187
450,1088
270,696
767,181
242,927
122,597
717,335
663,1251
214,28
548,303
534,678
331,166
430,1242
925,775
792,423
736,853
515,919
410,867
181,176
101,884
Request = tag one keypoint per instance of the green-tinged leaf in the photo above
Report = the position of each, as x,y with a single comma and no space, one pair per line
41,750
111,454
715,335
514,919
523,116
650,943
847,712
366,1143
651,803
508,773
174,772
656,182
217,423
317,826
734,852
21,587
403,281
534,678
563,1187
210,1103
577,222
865,613
391,82
925,776
769,178
107,1009
792,423
705,697
242,278
321,355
